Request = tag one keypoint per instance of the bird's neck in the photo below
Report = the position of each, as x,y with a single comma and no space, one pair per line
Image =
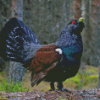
66,39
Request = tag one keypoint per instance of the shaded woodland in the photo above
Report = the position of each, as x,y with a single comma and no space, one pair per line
47,18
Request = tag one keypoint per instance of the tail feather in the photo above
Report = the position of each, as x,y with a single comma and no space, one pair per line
13,37
37,78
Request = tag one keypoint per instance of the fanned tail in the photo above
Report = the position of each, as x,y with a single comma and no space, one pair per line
14,36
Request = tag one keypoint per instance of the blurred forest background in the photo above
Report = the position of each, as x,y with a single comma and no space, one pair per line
47,18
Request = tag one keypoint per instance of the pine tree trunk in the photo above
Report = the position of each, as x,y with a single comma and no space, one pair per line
99,77
67,11
86,34
17,9
16,69
5,15
77,9
97,34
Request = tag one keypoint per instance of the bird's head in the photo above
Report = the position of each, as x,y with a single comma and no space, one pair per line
76,26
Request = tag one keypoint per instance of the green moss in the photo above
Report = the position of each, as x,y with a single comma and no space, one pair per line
1,78
84,77
61,98
2,98
1,73
74,79
92,70
82,80
11,86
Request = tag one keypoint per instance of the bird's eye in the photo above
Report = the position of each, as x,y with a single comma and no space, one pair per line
73,22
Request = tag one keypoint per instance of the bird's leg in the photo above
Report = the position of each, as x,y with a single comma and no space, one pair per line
52,86
60,87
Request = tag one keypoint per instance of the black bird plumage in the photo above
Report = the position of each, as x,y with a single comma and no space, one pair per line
53,62
70,42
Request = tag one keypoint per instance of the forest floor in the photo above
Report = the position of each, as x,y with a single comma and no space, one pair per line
93,94
81,87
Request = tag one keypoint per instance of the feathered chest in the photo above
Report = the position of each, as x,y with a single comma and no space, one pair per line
71,45
73,52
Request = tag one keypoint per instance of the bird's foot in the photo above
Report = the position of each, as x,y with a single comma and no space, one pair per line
58,90
66,90
52,86
52,89
63,90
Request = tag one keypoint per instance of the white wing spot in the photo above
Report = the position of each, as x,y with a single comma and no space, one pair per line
59,50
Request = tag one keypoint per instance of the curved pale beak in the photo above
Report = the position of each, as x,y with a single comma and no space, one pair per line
81,19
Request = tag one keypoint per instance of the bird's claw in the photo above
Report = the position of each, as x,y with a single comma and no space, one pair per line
63,90
52,90
66,90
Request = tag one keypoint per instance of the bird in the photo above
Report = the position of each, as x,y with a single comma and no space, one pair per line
54,62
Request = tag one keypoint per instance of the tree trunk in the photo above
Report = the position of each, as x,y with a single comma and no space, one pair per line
17,9
99,77
67,11
5,15
97,35
16,69
86,34
77,9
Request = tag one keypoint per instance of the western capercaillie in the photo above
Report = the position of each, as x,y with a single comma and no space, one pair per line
52,62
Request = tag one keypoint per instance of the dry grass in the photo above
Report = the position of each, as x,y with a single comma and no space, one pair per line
45,86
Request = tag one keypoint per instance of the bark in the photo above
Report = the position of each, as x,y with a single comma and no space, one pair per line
77,9
67,11
5,15
86,34
17,9
99,77
96,35
16,70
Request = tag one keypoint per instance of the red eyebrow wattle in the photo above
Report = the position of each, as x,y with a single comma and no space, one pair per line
73,22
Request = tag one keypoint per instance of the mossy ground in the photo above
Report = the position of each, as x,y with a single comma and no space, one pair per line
86,78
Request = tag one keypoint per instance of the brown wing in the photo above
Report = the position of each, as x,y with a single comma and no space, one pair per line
37,78
45,58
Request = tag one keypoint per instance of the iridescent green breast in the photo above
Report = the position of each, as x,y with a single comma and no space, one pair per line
72,51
